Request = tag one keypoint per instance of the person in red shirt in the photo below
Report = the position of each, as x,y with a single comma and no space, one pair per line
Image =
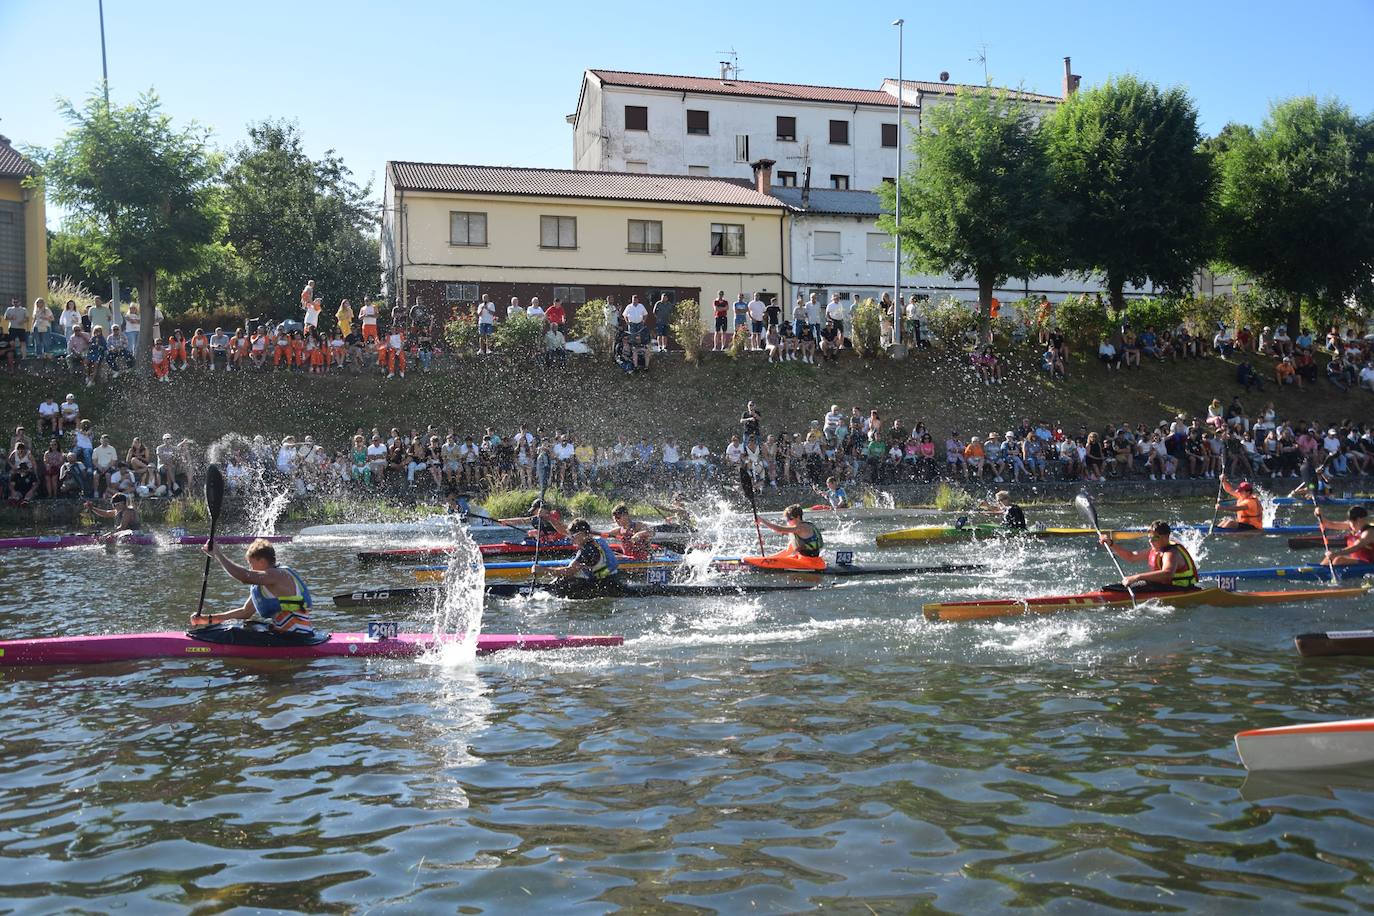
555,315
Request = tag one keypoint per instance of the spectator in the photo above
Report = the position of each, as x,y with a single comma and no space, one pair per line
663,317
1247,377
835,315
555,346
515,309
53,460
74,478
1130,349
741,310
1285,373
70,319
1051,363
635,316
831,341
367,317
100,315
219,348
556,315
49,418
720,309
751,423
535,311
757,308
104,458
344,316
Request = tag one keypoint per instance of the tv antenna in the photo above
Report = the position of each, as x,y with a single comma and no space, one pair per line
981,56
729,68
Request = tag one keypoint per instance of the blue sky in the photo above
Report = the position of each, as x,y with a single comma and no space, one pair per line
492,82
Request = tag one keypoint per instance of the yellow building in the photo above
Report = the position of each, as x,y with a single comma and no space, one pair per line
23,232
453,233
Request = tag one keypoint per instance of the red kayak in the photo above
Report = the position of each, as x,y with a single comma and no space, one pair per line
122,647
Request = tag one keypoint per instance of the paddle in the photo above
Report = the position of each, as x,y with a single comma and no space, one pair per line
541,470
1084,504
1216,510
1309,477
746,483
214,500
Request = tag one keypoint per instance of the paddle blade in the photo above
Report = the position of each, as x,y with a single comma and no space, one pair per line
1084,504
214,490
746,483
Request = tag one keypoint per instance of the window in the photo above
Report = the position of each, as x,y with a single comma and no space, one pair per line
636,117
570,295
880,247
727,239
890,135
557,232
839,133
646,235
889,180
741,147
826,245
787,128
698,122
787,179
636,165
698,170
467,228
460,292
839,182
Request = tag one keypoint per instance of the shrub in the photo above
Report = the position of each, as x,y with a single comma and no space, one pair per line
1082,320
1156,313
461,333
868,329
63,289
688,329
738,343
521,336
1256,308
948,498
589,326
950,319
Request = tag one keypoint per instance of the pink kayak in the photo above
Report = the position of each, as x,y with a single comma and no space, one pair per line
121,647
144,539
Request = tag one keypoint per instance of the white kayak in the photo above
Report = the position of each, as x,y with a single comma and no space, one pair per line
442,527
1311,746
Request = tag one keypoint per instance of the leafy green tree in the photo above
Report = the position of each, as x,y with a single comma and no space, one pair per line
1297,204
292,218
1127,161
139,192
978,198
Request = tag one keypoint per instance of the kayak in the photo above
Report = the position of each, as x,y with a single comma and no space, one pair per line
121,647
1321,501
435,526
1335,642
517,572
847,569
1311,541
520,571
931,534
1294,573
1309,746
552,550
1049,604
404,597
137,539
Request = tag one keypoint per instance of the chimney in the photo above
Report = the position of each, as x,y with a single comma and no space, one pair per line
724,70
763,175
1071,79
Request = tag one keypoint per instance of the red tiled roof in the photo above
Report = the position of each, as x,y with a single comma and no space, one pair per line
13,165
704,84
489,179
953,89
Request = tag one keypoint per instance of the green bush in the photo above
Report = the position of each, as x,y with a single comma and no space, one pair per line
589,326
738,343
688,329
1156,313
868,329
950,319
461,334
1256,308
1082,320
948,498
521,336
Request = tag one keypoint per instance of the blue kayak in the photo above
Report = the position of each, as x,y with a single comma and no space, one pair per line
1321,501
1272,529
1293,573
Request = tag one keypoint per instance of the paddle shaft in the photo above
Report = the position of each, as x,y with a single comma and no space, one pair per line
746,482
1086,508
1309,477
541,466
214,499
1216,510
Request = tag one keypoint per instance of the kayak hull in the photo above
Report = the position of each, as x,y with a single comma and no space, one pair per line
935,534
140,539
517,572
91,650
1335,642
1309,746
1102,600
1294,573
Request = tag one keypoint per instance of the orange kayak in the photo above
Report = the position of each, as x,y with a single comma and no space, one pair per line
792,562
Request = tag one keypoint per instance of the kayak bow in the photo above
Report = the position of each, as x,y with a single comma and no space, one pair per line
956,611
1309,746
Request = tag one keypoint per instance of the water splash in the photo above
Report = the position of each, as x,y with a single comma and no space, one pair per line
457,609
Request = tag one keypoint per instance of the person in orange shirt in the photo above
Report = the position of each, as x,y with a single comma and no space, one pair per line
974,458
162,361
394,352
315,347
297,358
238,349
176,350
282,352
200,349
258,351
368,316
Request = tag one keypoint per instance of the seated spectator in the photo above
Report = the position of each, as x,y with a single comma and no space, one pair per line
831,341
1285,373
1336,376
1130,349
1222,341
1367,377
1247,377
1303,342
1282,344
974,458
1306,366
52,469
1052,364
1245,341
74,479
556,346
48,417
104,458
97,356
1149,344
77,345
1107,355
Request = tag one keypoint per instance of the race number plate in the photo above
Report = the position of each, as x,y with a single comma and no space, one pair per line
382,629
844,558
657,576
1227,583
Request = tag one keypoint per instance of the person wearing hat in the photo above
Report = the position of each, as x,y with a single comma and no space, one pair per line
1359,541
1249,512
124,513
544,523
594,569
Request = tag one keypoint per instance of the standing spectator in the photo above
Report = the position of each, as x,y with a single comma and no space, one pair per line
486,324
610,315
741,309
367,316
835,315
635,316
70,319
720,308
913,324
99,315
801,331
555,346
756,313
17,321
750,424
133,327
663,316
312,309
535,310
515,309
84,445
344,316
557,316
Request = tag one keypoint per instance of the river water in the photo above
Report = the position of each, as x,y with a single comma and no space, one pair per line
782,753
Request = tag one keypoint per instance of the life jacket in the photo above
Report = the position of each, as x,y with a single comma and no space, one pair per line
809,546
637,550
1364,554
1249,511
1183,578
1013,518
606,565
284,613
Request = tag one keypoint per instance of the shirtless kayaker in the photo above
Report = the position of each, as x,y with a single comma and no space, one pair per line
1359,539
1172,567
1249,512
124,513
544,523
805,541
277,597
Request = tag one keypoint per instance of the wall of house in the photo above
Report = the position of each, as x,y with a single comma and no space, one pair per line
24,226
513,262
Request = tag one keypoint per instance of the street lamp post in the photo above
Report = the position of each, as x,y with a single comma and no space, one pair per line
105,82
897,209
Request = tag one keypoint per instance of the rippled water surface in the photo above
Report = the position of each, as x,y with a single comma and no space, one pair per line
788,752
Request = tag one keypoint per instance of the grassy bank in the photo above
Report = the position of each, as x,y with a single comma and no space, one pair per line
598,402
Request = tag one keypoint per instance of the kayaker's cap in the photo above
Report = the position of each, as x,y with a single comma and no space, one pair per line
580,526
536,504
1357,512
166,436
118,498
1245,486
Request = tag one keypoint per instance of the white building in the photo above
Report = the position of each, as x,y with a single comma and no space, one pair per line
657,123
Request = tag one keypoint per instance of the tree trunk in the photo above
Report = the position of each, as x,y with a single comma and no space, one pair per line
985,307
1294,316
147,320
1116,288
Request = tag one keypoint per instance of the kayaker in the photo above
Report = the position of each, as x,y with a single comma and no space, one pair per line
1249,512
544,523
676,514
1359,541
634,536
1172,567
805,541
1013,517
594,567
277,595
123,511
835,495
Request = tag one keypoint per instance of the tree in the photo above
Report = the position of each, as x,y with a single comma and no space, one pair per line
978,199
291,218
1297,204
1127,162
140,193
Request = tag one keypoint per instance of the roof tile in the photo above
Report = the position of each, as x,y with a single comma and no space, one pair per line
12,164
794,91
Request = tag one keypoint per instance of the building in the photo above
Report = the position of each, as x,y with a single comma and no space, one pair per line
649,122
23,231
452,233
